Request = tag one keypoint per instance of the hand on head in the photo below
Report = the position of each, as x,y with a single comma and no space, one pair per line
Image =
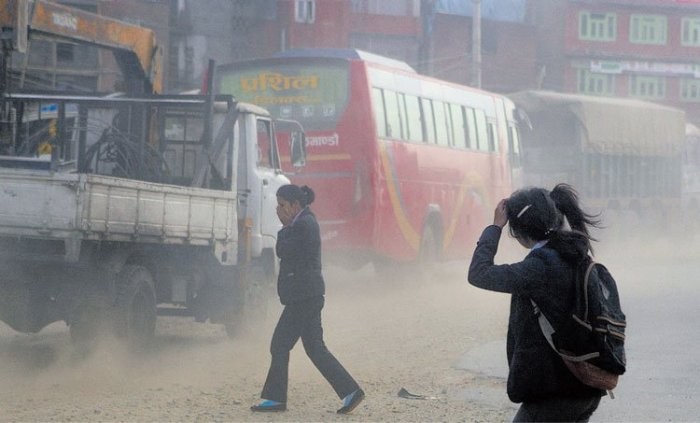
500,217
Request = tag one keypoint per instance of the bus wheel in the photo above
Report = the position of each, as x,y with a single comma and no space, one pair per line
135,306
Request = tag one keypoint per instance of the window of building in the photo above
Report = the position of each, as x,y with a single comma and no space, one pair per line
690,32
690,90
387,7
595,83
652,87
65,53
597,26
305,11
648,29
41,53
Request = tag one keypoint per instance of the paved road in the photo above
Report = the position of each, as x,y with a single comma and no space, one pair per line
662,382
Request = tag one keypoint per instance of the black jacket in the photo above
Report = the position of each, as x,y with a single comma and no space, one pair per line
299,249
535,370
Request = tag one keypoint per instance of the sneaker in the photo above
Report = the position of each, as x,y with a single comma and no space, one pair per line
269,406
352,401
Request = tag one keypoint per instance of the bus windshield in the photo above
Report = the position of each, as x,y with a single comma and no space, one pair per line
315,95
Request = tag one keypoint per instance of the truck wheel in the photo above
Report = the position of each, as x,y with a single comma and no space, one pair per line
135,306
256,292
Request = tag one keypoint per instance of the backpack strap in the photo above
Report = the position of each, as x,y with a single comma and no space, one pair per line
585,289
548,331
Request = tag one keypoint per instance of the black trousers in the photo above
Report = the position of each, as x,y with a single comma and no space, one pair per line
557,410
303,320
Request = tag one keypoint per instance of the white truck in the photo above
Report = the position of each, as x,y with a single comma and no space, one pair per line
116,209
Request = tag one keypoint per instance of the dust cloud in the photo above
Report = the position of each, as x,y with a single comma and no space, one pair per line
389,333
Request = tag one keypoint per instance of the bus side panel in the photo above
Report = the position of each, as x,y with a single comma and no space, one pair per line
340,168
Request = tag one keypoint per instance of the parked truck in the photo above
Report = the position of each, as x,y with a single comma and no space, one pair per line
623,155
115,209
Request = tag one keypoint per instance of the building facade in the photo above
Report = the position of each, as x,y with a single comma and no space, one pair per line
647,49
433,36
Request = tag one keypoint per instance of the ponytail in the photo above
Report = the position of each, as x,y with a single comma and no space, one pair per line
566,201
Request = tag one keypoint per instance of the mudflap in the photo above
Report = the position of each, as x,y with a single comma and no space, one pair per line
25,304
218,300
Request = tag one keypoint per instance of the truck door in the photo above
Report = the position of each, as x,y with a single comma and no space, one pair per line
267,179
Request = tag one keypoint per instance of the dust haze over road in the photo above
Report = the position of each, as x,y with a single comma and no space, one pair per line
389,334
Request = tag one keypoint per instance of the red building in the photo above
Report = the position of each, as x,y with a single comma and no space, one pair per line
434,42
648,49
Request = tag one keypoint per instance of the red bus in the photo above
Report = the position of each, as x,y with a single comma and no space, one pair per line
405,167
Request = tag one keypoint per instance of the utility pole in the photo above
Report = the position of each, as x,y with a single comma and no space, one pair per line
476,43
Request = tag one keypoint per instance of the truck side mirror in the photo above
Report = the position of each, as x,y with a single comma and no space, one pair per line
298,149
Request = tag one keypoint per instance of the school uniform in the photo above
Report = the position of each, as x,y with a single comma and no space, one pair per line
301,289
537,376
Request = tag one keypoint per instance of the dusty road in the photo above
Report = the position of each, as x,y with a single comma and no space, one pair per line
389,335
440,340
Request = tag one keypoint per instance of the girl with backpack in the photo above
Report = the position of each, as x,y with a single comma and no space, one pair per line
538,218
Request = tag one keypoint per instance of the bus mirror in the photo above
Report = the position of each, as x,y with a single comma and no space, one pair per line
298,149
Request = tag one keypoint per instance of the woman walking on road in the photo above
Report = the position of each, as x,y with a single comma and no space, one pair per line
538,377
301,290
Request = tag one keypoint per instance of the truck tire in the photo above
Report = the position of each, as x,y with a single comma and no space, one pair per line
135,319
256,292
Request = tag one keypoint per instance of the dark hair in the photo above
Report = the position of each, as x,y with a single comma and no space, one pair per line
294,193
539,214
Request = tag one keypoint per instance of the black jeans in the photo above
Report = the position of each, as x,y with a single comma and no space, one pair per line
303,320
557,410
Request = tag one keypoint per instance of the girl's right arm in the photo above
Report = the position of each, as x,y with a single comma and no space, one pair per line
517,278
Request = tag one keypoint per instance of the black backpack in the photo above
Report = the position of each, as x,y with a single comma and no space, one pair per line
595,333
598,323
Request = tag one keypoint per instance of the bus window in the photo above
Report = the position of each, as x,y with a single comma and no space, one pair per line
393,119
427,106
493,145
481,130
441,116
471,127
402,115
458,135
379,113
415,130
